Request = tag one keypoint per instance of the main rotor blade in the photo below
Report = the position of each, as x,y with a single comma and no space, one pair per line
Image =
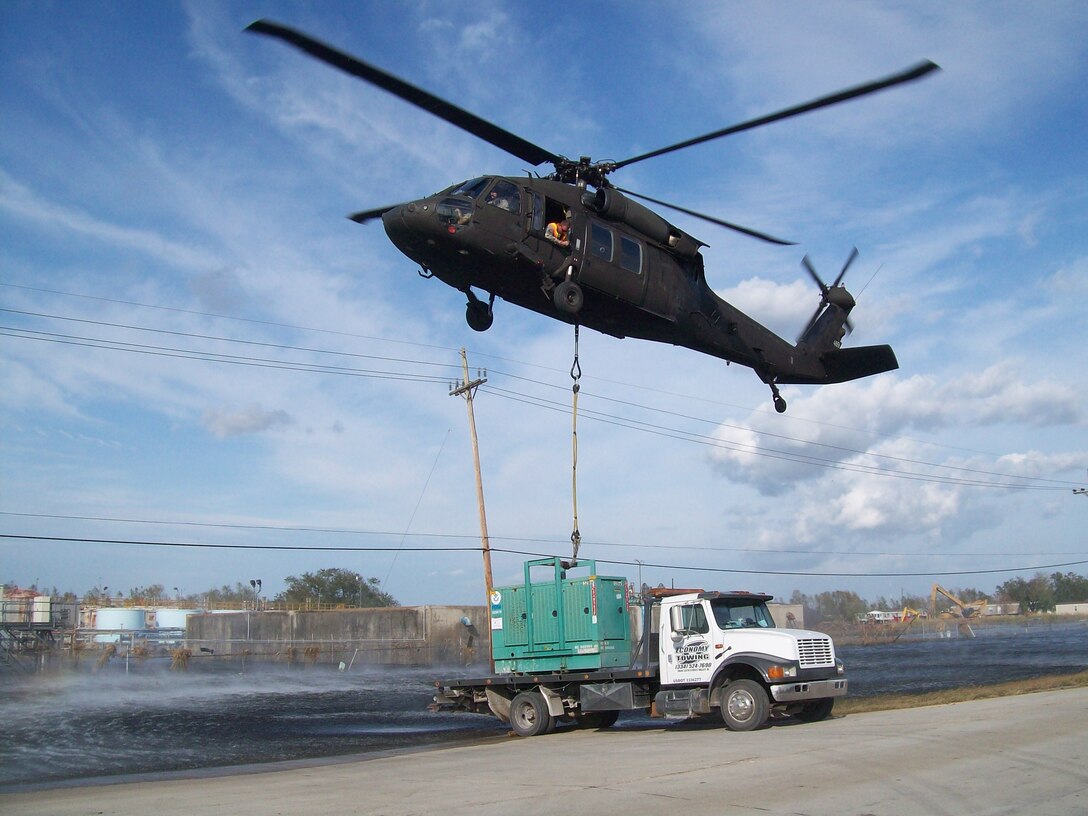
369,215
909,75
845,266
807,264
481,128
736,227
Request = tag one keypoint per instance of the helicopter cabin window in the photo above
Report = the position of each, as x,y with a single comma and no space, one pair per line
505,196
547,211
600,242
630,255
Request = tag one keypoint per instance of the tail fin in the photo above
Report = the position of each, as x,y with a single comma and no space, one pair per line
843,364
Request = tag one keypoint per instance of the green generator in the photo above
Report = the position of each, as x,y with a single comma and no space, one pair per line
559,623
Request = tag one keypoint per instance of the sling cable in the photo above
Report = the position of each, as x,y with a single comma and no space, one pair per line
576,375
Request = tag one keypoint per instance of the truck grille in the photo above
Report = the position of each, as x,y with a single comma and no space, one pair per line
814,652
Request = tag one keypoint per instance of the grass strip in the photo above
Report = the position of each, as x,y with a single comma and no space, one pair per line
887,702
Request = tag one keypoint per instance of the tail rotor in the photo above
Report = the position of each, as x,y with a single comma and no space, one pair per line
835,294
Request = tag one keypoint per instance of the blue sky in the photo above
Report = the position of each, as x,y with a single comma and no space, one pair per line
174,248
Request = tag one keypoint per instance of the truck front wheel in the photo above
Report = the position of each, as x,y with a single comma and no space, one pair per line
529,715
744,705
816,710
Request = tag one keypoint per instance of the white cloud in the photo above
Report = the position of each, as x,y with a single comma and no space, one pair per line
249,420
848,425
24,203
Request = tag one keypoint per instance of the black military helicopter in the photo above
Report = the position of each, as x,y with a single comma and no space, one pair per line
574,247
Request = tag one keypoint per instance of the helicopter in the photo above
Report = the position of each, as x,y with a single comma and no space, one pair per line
574,247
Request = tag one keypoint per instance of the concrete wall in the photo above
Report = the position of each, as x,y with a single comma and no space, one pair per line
401,636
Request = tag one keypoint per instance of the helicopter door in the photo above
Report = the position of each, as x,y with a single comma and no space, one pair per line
544,211
614,264
501,210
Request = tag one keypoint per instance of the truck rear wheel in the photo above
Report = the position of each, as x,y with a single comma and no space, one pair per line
744,705
816,710
598,719
529,715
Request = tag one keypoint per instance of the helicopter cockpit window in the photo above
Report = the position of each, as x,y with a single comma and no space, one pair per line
454,211
630,255
600,242
470,188
505,196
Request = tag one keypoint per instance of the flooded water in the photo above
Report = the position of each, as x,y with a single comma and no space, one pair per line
84,726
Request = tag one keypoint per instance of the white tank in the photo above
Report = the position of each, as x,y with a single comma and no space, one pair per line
170,617
123,618
40,610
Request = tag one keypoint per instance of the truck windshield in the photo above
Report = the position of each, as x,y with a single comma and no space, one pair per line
741,614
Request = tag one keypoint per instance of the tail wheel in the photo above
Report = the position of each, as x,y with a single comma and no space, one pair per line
568,297
744,705
529,715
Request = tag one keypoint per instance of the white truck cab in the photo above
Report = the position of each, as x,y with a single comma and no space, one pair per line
710,642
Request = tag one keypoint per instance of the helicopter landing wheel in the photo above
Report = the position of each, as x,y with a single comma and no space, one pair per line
779,403
568,297
479,315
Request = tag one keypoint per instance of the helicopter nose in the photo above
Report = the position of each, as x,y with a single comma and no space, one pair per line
396,227
416,231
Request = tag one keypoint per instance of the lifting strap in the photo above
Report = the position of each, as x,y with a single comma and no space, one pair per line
576,375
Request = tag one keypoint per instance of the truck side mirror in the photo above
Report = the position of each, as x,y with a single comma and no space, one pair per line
676,621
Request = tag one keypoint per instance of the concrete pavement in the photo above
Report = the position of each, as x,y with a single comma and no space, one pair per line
1011,755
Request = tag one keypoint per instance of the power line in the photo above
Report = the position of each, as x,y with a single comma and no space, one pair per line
773,453
644,564
788,438
220,339
625,422
642,387
213,357
760,450
518,539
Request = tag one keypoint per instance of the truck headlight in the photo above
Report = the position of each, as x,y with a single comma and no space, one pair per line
839,667
781,672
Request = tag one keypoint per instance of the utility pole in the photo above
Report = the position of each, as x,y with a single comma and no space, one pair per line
467,389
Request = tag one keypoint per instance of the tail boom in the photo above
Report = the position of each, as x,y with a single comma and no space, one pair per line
844,364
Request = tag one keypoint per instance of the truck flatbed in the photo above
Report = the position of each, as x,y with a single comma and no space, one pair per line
519,680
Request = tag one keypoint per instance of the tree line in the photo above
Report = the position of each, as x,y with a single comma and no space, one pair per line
342,587
327,587
1042,593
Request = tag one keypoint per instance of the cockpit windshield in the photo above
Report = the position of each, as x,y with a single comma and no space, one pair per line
471,188
732,613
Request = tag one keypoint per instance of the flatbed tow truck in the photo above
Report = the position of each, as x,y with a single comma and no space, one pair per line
584,649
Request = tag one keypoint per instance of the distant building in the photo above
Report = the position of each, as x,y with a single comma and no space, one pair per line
1071,609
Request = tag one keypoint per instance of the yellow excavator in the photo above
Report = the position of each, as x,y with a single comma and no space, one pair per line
959,609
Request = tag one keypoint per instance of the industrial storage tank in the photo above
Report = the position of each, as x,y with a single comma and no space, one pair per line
118,618
41,610
170,617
